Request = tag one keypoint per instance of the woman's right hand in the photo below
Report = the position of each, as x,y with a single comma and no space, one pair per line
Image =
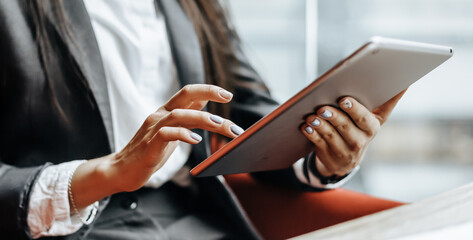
157,138
159,135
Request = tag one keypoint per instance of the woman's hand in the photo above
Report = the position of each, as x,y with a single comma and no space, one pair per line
130,169
159,135
342,136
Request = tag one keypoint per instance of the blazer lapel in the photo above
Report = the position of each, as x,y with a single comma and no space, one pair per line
184,43
188,58
85,52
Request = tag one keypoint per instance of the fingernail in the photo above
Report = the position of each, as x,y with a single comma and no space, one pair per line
216,119
225,94
326,114
347,104
315,123
309,130
237,130
196,137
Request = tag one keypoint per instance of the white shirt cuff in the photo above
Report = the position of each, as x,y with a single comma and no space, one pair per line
314,181
49,213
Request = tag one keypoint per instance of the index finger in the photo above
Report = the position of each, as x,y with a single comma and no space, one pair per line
191,94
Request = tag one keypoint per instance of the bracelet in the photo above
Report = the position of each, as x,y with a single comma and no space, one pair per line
93,212
323,179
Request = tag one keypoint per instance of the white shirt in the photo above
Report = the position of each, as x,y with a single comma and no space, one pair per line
140,72
141,76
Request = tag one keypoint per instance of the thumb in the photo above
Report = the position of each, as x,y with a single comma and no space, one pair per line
383,111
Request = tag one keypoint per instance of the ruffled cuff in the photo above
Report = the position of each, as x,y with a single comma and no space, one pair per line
49,213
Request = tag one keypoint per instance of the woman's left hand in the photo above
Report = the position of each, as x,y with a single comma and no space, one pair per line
342,136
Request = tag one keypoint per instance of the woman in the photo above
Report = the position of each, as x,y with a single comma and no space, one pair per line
80,86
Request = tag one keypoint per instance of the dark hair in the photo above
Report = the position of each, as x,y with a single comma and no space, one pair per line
214,33
51,49
210,24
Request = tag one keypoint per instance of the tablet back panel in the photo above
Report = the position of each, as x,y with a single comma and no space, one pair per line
373,74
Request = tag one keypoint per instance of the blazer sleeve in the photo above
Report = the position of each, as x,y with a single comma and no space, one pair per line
15,188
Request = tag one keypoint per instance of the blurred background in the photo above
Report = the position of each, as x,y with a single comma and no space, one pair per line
427,145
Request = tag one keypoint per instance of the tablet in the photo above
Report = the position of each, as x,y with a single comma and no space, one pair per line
373,74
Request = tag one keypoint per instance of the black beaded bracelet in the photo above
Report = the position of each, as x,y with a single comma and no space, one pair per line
323,179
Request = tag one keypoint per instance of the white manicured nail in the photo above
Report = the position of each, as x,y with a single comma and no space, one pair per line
309,130
326,114
347,104
196,137
315,123
225,94
216,119
236,130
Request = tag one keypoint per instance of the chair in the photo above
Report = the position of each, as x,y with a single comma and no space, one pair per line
280,213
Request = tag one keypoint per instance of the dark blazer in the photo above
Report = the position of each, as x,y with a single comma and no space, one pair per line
33,134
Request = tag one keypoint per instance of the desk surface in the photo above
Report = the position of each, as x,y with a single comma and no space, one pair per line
445,210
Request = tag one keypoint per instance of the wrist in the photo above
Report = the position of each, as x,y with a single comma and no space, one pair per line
322,173
122,174
92,181
321,169
107,169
